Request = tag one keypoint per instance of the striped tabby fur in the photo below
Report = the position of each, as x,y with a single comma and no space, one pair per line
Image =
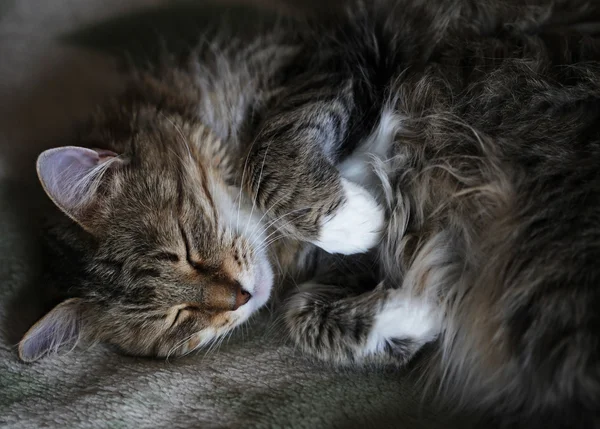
475,127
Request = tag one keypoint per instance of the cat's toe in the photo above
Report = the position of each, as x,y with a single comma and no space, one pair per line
356,226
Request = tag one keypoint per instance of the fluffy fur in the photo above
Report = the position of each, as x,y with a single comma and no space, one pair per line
476,126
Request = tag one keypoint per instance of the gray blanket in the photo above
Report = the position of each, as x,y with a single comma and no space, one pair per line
252,380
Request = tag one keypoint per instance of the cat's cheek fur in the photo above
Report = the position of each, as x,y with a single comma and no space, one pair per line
355,226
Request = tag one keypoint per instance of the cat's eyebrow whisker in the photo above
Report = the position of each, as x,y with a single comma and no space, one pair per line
180,132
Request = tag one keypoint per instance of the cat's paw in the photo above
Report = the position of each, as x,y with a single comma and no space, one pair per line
356,225
404,318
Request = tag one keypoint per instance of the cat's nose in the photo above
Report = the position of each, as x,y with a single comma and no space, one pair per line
242,297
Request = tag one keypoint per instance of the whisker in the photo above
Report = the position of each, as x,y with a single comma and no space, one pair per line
180,132
258,185
269,243
178,345
242,181
258,224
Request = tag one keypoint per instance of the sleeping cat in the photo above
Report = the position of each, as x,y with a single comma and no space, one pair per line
460,140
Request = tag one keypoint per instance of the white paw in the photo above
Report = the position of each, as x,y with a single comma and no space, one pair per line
404,317
356,226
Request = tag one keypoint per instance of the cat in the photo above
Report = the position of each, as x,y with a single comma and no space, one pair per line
164,247
452,145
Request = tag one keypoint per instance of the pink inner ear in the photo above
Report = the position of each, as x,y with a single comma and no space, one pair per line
71,175
59,328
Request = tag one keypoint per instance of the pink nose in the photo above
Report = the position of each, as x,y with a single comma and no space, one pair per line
242,297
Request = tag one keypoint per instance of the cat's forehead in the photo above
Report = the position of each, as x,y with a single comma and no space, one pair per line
160,219
157,208
162,174
162,153
166,191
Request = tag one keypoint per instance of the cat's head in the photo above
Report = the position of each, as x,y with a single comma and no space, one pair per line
171,260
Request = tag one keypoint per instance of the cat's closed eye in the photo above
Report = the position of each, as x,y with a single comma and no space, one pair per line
180,313
192,257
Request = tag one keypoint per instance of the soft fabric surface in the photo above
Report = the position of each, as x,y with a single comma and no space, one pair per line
252,380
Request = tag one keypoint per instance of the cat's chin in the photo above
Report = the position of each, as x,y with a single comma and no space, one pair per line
263,283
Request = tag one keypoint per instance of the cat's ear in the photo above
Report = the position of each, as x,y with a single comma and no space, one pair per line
59,329
71,175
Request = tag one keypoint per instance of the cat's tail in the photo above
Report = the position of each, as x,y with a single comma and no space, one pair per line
522,335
